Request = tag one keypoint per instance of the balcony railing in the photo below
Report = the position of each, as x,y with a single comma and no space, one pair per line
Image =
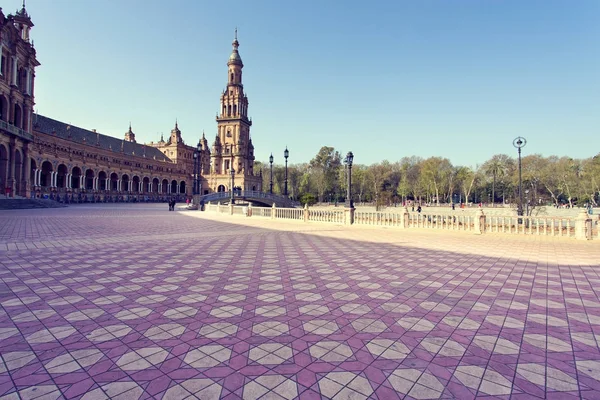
16,131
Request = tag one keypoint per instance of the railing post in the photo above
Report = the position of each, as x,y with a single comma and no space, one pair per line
249,210
306,212
230,208
405,218
273,211
218,207
583,226
479,222
349,215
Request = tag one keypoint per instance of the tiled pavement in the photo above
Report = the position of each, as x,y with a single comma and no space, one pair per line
131,302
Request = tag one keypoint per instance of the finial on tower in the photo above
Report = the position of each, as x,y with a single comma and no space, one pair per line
235,27
129,126
176,123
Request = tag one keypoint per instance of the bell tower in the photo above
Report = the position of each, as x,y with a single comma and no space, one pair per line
233,147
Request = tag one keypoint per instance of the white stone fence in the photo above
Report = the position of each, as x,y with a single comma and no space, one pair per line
584,226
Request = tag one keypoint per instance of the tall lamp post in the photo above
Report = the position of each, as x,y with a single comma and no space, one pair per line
195,191
348,162
198,160
519,143
286,154
232,200
271,182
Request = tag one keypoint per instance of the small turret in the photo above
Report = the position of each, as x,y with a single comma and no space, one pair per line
23,22
129,135
176,135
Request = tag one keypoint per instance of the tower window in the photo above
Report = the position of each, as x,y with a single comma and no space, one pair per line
232,78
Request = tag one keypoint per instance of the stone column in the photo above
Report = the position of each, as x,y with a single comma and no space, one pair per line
306,213
10,182
26,171
273,211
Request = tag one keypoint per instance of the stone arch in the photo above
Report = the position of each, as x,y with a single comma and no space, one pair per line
3,167
253,188
221,188
182,187
61,177
102,180
155,183
125,183
46,175
114,181
165,186
146,185
3,108
76,178
17,116
89,179
173,186
135,184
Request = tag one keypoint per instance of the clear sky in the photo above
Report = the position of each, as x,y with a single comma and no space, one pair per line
385,79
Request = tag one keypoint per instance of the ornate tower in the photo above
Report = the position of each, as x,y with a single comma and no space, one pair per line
129,135
232,146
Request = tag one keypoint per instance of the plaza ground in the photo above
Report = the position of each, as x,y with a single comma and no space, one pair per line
133,301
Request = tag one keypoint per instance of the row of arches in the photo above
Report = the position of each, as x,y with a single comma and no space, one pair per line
15,114
46,176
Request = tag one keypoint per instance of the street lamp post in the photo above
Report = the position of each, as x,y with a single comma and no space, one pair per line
232,200
198,161
348,161
527,203
519,143
271,182
286,154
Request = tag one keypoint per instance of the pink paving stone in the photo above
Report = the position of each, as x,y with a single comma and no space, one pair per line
142,268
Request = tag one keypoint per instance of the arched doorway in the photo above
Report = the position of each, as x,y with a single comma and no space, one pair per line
76,178
102,180
221,188
146,185
155,185
125,183
89,179
173,186
3,167
114,181
135,187
46,177
61,177
182,187
165,186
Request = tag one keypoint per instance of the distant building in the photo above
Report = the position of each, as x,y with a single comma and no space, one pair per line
40,156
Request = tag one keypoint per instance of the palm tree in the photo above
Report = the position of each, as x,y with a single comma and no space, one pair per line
496,167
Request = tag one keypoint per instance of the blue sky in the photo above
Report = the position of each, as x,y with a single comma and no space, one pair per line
458,79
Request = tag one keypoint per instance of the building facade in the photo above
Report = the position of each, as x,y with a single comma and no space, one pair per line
43,157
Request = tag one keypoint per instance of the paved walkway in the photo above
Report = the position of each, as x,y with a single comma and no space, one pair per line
133,301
